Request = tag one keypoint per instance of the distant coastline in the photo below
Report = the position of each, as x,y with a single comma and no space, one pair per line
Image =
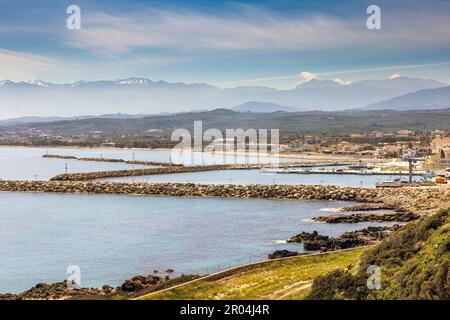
292,155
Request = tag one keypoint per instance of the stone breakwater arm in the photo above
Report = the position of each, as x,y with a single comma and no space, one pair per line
421,201
114,160
196,190
228,166
85,176
95,175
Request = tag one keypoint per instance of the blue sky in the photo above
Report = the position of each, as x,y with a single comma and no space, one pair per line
269,43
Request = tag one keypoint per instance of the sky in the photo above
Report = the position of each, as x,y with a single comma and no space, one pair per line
225,43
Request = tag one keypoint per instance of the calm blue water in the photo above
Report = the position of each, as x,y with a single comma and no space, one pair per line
27,163
257,177
112,237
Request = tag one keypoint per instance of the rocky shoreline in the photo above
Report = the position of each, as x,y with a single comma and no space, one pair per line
313,241
366,207
130,288
368,217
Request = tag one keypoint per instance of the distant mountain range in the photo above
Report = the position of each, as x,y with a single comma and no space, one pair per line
438,98
22,120
144,96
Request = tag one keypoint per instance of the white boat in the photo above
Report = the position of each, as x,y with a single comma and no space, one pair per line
447,173
444,173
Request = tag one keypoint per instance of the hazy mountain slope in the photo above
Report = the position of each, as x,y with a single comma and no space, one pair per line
313,121
424,99
144,96
24,120
262,107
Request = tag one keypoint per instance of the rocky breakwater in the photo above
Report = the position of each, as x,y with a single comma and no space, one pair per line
308,192
85,176
420,201
113,160
415,200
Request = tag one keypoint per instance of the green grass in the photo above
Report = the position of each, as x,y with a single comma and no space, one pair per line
280,279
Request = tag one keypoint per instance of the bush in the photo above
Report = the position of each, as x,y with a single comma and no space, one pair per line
415,264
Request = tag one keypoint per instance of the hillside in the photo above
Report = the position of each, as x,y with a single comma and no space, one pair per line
304,122
414,264
423,99
289,278
262,107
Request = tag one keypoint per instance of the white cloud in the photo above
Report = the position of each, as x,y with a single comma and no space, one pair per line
343,82
18,66
306,76
394,75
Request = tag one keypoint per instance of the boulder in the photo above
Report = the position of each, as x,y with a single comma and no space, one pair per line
282,254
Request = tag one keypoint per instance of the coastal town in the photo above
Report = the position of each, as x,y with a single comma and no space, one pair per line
419,153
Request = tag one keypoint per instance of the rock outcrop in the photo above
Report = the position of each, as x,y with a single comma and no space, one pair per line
368,217
137,283
54,291
60,290
366,207
282,254
316,242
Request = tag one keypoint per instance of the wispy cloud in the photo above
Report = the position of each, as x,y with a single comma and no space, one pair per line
253,29
16,65
301,77
193,30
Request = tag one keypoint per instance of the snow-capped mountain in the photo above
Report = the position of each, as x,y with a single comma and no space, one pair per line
141,95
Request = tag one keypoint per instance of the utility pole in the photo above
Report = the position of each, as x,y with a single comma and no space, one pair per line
410,167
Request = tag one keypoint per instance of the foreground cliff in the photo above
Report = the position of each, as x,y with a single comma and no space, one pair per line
414,262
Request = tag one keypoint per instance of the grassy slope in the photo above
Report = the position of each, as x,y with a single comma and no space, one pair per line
282,279
415,264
